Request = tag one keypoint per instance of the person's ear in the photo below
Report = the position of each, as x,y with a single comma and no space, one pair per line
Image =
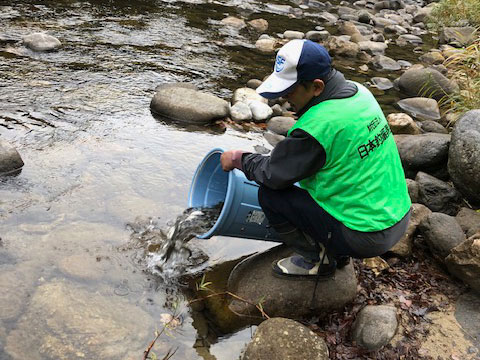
318,86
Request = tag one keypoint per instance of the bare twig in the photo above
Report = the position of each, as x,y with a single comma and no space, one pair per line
159,333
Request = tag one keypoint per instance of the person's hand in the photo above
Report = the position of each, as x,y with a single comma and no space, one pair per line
226,159
231,159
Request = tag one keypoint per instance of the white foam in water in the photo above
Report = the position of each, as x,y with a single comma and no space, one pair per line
172,257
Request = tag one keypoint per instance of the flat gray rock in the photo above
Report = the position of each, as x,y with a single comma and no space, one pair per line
10,160
426,82
253,279
382,62
468,316
421,108
382,83
432,126
188,105
464,155
458,36
279,338
41,42
373,47
375,326
442,233
438,195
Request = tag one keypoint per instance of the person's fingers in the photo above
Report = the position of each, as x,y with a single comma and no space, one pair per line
226,161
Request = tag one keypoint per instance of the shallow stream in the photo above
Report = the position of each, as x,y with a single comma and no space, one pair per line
99,170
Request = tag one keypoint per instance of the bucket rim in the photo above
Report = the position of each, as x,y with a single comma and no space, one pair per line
228,196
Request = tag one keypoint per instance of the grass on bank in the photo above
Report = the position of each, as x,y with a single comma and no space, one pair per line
451,12
464,68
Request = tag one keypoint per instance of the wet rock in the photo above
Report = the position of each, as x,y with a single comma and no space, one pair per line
253,83
71,323
381,22
469,220
389,4
330,19
421,108
253,279
382,62
404,64
10,160
382,83
464,262
279,338
291,35
438,195
277,110
280,124
317,36
260,25
41,42
413,190
404,246
266,45
457,36
245,95
395,29
442,69
273,139
240,112
373,48
433,127
403,124
365,17
280,9
442,233
260,111
375,326
432,58
342,48
187,105
234,22
464,155
422,13
426,152
83,266
407,39
420,82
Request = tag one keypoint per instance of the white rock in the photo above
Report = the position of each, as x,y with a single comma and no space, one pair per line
245,95
240,112
260,111
41,42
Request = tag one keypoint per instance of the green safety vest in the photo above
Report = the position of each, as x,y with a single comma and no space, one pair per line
362,183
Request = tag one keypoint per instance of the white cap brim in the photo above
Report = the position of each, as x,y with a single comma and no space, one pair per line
274,87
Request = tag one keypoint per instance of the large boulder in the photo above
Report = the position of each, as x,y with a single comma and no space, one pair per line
458,36
253,279
464,262
442,233
280,124
464,155
420,108
437,195
426,82
404,246
260,111
188,105
41,42
285,339
469,220
426,152
10,160
375,326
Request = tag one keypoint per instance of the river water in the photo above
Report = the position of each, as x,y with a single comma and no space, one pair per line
100,170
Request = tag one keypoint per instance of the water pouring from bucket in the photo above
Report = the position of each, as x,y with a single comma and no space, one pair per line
241,215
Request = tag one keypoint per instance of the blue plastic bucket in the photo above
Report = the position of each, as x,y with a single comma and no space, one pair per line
241,215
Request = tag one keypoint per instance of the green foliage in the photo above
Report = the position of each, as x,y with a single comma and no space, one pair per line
450,12
203,285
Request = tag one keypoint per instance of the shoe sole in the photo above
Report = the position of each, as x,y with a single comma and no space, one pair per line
315,277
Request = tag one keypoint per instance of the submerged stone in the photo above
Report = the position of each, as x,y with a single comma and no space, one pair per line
10,159
41,42
72,323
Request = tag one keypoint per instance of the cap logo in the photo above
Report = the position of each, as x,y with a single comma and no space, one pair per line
279,63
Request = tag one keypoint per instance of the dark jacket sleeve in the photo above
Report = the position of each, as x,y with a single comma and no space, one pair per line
295,158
